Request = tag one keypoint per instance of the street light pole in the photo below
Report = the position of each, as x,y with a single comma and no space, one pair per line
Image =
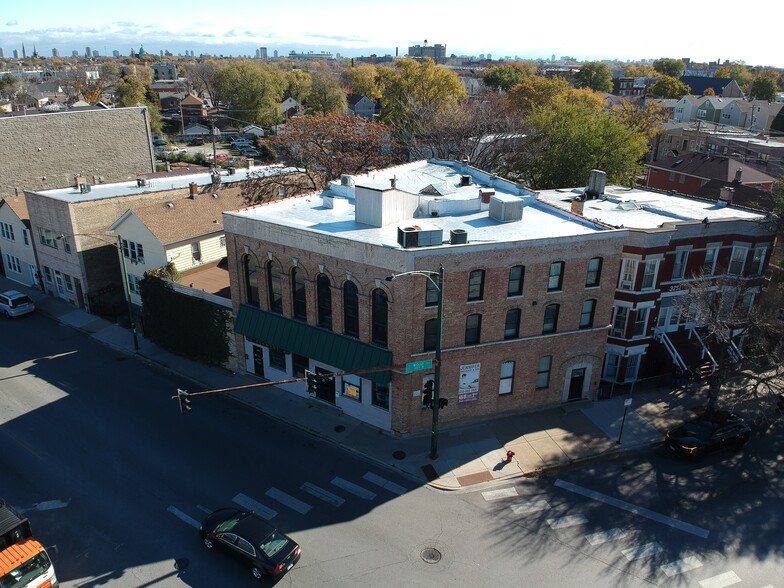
437,383
127,290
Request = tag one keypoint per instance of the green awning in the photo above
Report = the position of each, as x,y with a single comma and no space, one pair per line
292,336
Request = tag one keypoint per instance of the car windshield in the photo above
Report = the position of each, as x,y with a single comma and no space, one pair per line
230,523
273,544
698,429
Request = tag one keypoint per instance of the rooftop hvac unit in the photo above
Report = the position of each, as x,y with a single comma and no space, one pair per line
506,208
84,188
346,180
141,182
416,236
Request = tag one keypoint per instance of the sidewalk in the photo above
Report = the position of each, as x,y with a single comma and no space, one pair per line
468,454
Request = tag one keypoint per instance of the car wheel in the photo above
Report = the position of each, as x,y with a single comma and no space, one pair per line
7,315
258,573
208,543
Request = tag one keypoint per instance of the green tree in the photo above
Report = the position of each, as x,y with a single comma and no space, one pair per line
640,71
595,76
668,66
668,87
299,84
326,95
763,88
253,91
570,139
505,77
778,196
412,82
737,71
8,86
363,79
642,120
131,90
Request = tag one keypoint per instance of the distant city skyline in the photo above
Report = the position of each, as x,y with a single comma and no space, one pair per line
609,30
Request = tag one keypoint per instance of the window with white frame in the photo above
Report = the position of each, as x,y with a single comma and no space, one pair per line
701,113
133,284
628,270
196,251
543,372
6,231
68,282
47,238
12,263
619,321
711,253
611,364
506,382
738,260
48,275
133,251
641,322
649,274
756,261
632,367
681,259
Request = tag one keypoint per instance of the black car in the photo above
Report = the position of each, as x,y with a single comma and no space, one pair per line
719,430
251,539
196,142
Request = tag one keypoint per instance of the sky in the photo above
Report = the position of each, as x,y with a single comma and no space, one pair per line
602,29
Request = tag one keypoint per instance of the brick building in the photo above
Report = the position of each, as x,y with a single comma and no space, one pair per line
528,293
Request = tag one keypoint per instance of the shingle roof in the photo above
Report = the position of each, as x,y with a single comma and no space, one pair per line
699,84
187,218
711,167
746,196
19,205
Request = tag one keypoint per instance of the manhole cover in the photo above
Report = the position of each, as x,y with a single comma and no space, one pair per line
399,454
340,428
431,555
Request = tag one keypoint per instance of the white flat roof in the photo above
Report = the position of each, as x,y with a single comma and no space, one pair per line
130,188
645,209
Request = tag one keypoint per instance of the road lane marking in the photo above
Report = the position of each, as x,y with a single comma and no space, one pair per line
532,506
682,565
353,488
384,483
641,551
722,580
203,508
638,510
183,517
491,495
288,500
567,521
257,507
605,536
322,494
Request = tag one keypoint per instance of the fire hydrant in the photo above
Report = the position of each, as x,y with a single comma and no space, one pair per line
509,456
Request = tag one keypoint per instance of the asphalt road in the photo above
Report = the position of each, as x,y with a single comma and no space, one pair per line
94,449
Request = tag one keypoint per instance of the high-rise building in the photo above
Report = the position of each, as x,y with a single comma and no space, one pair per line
74,53
16,53
275,53
88,52
435,52
95,53
55,52
115,53
263,52
2,53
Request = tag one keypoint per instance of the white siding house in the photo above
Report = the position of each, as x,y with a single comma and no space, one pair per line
16,242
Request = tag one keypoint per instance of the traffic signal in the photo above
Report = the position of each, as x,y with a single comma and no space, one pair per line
427,394
442,402
312,382
185,402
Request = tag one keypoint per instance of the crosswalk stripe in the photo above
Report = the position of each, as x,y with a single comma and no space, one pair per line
722,580
353,488
605,536
532,506
386,484
288,500
322,494
567,521
682,565
257,507
491,495
641,551
183,517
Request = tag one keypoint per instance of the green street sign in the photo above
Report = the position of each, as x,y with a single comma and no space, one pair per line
416,366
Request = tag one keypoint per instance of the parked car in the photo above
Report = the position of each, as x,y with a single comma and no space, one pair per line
14,303
719,430
252,540
196,142
251,152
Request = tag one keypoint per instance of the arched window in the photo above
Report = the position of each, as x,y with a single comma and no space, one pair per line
473,329
274,293
550,319
324,296
350,309
512,325
431,335
251,287
380,317
299,303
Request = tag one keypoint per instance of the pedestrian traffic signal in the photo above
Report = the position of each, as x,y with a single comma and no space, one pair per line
312,382
427,394
185,402
442,402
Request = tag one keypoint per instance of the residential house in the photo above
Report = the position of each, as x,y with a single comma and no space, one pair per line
722,87
253,131
686,108
178,86
362,106
344,281
16,243
197,129
290,108
762,115
170,101
735,113
673,242
625,86
192,110
687,172
710,108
